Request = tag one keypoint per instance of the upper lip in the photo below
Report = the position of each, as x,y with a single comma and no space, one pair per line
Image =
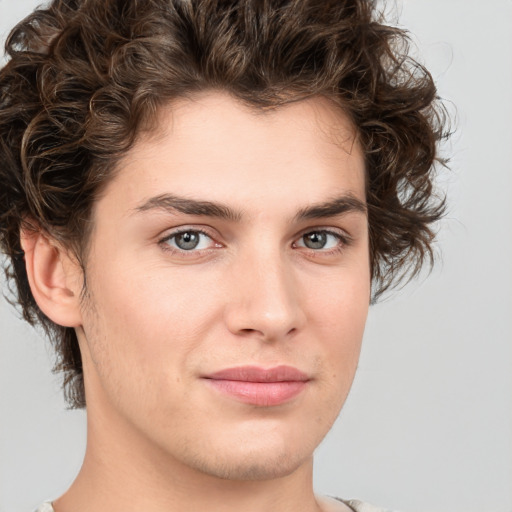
282,373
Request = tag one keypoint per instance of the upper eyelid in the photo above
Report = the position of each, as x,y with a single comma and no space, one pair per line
164,243
169,233
335,231
342,233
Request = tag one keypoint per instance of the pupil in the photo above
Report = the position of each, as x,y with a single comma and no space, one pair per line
315,240
187,241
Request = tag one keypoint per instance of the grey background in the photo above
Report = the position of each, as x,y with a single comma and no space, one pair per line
428,425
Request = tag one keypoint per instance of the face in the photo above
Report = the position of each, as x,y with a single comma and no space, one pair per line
228,286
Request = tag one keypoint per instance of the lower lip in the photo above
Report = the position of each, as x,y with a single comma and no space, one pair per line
264,394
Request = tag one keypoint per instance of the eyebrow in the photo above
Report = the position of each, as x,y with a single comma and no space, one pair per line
172,203
332,208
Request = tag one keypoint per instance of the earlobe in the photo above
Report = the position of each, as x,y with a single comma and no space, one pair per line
53,278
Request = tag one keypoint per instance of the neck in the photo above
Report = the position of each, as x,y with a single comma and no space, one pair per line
122,473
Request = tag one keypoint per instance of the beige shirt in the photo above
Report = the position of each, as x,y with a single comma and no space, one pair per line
329,505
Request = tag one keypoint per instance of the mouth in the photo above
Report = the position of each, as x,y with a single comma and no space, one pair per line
258,386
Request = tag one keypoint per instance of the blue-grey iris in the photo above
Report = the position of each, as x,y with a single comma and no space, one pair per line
187,241
316,240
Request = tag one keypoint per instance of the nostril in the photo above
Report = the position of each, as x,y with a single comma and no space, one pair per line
265,334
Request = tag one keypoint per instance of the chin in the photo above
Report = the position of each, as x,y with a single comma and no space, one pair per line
254,470
248,463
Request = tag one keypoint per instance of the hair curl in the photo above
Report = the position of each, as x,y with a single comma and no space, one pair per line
85,77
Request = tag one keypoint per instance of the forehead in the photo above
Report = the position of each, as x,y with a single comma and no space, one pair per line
212,146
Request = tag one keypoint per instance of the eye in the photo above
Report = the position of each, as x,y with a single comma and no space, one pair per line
188,240
321,240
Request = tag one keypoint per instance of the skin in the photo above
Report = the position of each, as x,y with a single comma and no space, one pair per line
157,319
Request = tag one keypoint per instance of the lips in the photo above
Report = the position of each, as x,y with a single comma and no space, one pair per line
259,386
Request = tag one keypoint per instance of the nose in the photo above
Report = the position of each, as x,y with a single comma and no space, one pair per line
264,299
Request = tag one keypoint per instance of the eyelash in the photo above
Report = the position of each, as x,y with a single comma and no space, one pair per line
182,252
344,240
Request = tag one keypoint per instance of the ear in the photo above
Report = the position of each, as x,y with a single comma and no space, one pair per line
54,277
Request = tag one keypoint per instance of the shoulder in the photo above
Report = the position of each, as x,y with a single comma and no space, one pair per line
355,505
361,506
331,504
45,507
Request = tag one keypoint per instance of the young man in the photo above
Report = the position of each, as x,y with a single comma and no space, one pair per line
199,200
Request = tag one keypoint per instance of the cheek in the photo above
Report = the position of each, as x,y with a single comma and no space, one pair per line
341,303
142,316
339,317
141,333
154,317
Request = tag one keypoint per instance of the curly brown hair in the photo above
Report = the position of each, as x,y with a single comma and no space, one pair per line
85,77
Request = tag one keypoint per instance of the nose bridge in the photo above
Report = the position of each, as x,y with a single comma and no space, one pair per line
264,299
